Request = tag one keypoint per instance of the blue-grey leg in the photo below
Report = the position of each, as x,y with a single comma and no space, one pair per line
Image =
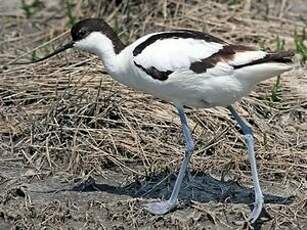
163,207
249,139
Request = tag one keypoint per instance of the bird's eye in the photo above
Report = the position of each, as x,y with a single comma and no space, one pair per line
82,33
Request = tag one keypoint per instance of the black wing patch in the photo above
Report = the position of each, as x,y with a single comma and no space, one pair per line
154,72
224,54
175,35
228,52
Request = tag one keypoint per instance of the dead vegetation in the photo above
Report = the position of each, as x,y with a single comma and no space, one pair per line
65,118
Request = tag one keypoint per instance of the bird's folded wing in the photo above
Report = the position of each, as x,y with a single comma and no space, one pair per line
175,53
162,54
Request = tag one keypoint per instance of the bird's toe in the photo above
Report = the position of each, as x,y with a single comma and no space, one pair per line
159,208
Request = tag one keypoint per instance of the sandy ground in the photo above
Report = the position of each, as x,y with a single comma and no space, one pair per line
79,151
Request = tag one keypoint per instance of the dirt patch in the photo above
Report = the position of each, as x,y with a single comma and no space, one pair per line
79,151
32,202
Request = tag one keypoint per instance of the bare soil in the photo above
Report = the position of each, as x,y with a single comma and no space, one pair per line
80,151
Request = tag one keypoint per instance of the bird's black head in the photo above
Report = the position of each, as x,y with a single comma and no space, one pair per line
83,29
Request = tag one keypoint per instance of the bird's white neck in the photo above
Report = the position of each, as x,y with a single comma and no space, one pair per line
106,49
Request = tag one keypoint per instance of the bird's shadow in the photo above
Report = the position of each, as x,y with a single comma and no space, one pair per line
200,187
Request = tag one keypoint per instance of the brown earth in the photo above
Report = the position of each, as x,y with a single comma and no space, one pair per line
80,151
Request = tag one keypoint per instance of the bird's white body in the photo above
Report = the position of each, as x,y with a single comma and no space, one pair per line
219,86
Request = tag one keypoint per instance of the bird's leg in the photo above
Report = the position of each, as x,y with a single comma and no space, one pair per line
249,139
163,207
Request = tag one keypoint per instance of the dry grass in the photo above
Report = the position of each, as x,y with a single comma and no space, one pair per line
67,116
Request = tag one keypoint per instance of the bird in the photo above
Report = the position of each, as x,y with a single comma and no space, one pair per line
186,68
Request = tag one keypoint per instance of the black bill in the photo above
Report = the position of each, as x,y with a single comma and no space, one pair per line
58,50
